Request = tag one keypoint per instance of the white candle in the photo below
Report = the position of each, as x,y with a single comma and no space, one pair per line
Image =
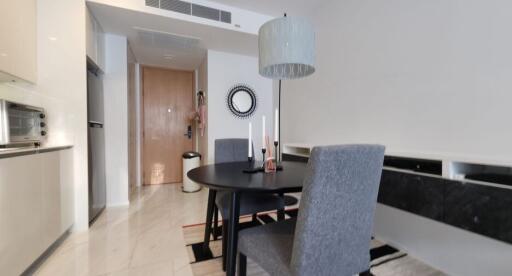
250,140
276,126
263,142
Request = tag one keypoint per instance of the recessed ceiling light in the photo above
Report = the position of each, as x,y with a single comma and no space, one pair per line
168,57
52,38
3,54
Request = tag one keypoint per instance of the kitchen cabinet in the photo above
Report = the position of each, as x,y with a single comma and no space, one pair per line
19,207
18,41
36,206
95,41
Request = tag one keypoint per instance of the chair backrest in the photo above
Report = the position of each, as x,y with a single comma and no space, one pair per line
231,150
335,220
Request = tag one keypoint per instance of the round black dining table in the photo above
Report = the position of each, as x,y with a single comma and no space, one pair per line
232,178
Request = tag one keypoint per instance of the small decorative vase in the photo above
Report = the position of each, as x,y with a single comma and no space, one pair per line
269,165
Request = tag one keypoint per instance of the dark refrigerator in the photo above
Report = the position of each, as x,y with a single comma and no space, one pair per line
96,143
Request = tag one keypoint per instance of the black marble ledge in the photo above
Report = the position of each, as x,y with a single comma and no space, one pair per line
414,193
480,209
476,206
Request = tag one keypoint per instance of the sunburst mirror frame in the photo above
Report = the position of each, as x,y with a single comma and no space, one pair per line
239,88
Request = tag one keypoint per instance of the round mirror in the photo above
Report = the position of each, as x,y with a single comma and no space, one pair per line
242,101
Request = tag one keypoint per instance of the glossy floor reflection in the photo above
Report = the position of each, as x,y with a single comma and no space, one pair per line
145,238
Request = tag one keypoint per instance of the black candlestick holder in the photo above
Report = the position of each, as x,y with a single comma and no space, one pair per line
251,169
276,143
263,151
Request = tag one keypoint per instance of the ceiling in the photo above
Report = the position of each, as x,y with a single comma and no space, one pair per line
164,41
167,42
275,7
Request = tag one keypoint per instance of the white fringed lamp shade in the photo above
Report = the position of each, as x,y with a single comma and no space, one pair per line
287,48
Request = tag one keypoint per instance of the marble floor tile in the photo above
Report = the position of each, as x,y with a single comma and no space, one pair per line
155,269
144,238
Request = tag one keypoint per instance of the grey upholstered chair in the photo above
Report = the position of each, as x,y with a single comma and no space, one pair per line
236,150
332,233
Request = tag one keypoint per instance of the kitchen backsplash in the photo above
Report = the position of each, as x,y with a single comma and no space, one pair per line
58,118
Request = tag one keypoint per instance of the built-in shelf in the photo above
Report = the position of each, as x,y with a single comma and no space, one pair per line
297,150
474,197
481,173
414,164
470,170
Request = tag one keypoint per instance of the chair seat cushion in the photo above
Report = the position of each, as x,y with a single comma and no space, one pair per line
249,204
269,245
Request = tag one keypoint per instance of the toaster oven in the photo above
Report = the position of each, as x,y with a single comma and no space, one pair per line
21,124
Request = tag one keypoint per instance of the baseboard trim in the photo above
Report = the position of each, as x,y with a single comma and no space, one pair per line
119,204
46,254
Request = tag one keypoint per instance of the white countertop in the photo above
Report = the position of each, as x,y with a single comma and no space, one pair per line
12,152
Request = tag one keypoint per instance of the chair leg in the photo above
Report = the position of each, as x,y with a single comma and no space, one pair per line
209,217
242,265
280,212
234,216
280,215
215,223
224,242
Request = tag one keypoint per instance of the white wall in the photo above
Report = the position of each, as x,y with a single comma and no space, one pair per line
61,88
224,71
426,77
115,83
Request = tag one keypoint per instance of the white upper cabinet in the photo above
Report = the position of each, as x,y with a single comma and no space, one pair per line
95,39
18,41
90,36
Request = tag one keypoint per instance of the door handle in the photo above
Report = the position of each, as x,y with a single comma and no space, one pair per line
189,132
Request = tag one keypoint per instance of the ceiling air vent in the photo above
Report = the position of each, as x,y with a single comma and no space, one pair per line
225,17
191,9
205,12
176,6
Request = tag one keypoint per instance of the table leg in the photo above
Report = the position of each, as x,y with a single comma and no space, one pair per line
215,223
209,217
224,243
234,213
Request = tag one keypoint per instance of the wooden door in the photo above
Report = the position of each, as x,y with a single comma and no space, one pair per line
167,103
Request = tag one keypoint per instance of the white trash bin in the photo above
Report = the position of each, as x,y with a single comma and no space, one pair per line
191,160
